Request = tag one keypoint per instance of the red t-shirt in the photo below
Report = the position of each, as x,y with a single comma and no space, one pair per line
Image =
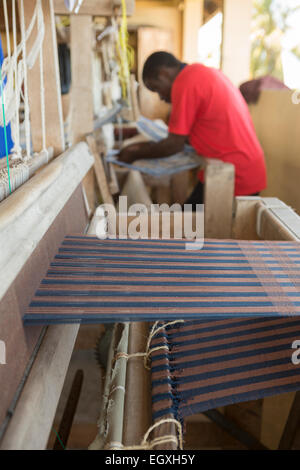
212,112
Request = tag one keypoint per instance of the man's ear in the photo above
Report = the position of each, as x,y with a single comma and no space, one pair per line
163,73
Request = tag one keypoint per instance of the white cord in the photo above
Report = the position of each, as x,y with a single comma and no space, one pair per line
16,120
77,8
6,27
26,101
42,87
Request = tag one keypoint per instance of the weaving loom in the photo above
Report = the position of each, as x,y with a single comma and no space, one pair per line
208,364
92,280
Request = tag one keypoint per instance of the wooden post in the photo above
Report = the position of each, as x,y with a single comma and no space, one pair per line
99,172
53,106
218,198
236,44
94,7
192,20
82,90
82,83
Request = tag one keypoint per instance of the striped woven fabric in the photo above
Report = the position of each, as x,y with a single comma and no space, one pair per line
208,364
92,281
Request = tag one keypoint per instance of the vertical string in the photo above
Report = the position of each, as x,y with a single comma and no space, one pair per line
42,86
6,27
26,102
16,123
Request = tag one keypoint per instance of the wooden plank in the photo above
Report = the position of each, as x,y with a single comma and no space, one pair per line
100,172
32,420
95,7
26,215
275,412
245,216
113,184
274,220
53,105
35,412
82,111
218,198
20,341
277,221
134,98
192,20
138,402
82,80
236,43
292,425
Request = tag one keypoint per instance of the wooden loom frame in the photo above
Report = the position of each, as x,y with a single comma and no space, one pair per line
25,431
274,221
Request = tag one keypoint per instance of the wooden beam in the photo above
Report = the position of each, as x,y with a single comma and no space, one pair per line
100,172
82,80
32,420
245,216
94,7
218,198
236,44
53,105
192,20
27,214
82,111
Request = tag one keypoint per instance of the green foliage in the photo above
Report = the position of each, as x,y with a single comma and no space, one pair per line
270,23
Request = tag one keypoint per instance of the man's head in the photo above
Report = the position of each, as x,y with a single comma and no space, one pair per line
159,72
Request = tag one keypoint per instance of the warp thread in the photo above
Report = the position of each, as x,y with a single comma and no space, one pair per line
147,444
146,355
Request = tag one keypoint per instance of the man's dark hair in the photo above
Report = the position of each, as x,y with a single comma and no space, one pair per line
157,60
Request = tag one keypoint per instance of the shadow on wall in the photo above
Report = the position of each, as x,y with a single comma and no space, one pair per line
277,122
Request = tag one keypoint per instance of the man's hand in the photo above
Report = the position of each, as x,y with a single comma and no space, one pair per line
172,144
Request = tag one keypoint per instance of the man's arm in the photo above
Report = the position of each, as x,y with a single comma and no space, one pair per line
174,143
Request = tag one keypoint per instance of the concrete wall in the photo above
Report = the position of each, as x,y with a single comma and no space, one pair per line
236,46
277,123
159,26
163,15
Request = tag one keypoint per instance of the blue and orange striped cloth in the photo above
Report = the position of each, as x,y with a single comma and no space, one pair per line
208,364
95,281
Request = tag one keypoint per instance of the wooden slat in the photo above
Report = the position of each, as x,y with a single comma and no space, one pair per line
277,221
244,221
218,199
138,401
100,172
94,7
32,420
82,90
26,215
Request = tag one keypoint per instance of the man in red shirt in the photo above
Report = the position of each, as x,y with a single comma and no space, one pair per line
210,114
